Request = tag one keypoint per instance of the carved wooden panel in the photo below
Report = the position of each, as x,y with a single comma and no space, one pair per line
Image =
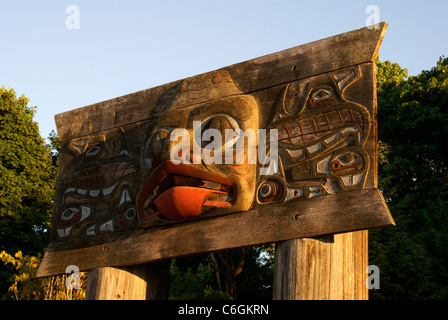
301,160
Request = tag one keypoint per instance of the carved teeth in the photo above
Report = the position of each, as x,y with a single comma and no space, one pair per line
347,180
64,232
347,130
91,230
108,191
123,153
332,138
314,148
356,179
70,190
352,180
108,226
93,193
295,153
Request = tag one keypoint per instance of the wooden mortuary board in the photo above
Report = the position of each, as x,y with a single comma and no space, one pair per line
164,172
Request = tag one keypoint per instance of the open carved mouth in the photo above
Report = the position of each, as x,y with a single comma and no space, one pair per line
91,192
311,134
305,132
179,192
96,180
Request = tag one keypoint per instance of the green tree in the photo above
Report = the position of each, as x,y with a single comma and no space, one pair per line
228,274
27,179
192,278
413,176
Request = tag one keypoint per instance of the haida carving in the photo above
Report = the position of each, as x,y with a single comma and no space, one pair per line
97,194
124,179
181,191
321,140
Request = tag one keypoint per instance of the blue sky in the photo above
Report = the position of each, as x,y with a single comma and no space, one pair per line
126,46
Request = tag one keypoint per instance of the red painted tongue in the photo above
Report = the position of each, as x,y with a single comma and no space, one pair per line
184,202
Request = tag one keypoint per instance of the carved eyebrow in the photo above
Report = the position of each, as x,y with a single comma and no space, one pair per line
78,148
322,94
344,78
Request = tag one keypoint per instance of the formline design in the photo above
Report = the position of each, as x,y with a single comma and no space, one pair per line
275,148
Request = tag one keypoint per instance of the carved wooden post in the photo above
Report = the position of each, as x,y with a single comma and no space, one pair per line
138,282
325,268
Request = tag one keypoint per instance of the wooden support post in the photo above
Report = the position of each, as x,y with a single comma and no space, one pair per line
331,267
139,282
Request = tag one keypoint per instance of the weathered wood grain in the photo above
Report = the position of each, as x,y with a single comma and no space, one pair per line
331,267
148,281
267,224
333,53
116,284
300,128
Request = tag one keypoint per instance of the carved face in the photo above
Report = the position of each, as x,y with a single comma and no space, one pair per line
197,186
97,193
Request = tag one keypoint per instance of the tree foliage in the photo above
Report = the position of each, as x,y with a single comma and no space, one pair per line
413,176
27,177
229,274
27,180
193,279
24,285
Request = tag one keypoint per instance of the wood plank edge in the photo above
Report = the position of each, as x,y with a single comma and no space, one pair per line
59,118
123,253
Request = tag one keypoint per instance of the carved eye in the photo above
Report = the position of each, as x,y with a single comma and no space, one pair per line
127,216
345,161
94,151
349,158
155,144
321,95
221,123
270,190
158,139
130,214
70,214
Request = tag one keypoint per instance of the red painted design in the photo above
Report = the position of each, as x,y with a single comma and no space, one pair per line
184,202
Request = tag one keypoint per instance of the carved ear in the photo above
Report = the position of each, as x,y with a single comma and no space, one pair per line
278,108
345,78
